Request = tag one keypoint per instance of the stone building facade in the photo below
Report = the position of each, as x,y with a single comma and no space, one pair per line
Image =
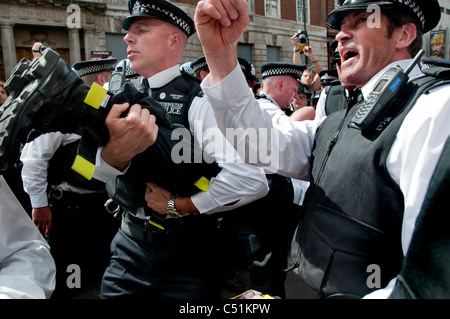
80,29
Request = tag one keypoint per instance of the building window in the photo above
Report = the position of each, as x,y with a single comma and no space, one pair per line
251,6
272,8
245,51
302,11
273,54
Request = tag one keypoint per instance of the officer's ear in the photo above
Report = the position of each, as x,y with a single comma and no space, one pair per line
280,84
175,40
407,33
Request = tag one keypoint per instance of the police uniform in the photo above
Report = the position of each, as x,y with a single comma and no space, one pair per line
274,69
355,210
333,97
272,217
81,228
177,261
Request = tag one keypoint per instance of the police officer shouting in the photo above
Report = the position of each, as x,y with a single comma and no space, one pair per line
367,184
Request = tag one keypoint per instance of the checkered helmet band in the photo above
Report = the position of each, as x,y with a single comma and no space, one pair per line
139,8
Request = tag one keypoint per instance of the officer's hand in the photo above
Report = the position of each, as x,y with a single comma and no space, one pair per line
128,136
220,24
42,218
157,198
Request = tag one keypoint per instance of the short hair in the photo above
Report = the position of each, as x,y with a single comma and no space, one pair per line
89,79
397,18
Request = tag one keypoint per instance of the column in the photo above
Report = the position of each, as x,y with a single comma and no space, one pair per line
9,48
89,43
74,46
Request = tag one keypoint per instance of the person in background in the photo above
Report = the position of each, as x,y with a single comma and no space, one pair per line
327,78
200,68
95,71
300,108
310,76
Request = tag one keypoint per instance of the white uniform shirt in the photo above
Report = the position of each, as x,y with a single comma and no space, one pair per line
235,182
279,117
272,107
27,270
411,160
35,158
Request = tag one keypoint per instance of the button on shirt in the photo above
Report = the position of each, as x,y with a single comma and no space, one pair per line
236,182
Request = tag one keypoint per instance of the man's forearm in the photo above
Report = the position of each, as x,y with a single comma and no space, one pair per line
220,65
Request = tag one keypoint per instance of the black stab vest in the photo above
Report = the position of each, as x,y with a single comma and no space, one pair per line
176,97
336,99
128,190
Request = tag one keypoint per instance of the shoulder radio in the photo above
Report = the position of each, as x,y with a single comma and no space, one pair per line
384,92
117,79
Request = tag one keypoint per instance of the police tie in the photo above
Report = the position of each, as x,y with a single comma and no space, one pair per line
354,98
145,83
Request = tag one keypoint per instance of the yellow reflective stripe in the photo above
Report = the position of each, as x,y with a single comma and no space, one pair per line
202,184
83,167
97,96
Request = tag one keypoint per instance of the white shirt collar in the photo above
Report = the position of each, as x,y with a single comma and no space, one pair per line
415,73
271,99
162,78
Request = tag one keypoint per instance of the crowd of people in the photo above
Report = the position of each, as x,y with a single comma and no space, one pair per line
336,198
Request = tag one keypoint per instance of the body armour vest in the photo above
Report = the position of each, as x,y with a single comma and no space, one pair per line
336,99
353,209
128,190
176,97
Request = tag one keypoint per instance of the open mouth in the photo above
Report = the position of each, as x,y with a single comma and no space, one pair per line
348,54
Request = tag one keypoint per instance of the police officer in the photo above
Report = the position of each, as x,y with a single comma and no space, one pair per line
168,251
98,71
200,68
367,185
